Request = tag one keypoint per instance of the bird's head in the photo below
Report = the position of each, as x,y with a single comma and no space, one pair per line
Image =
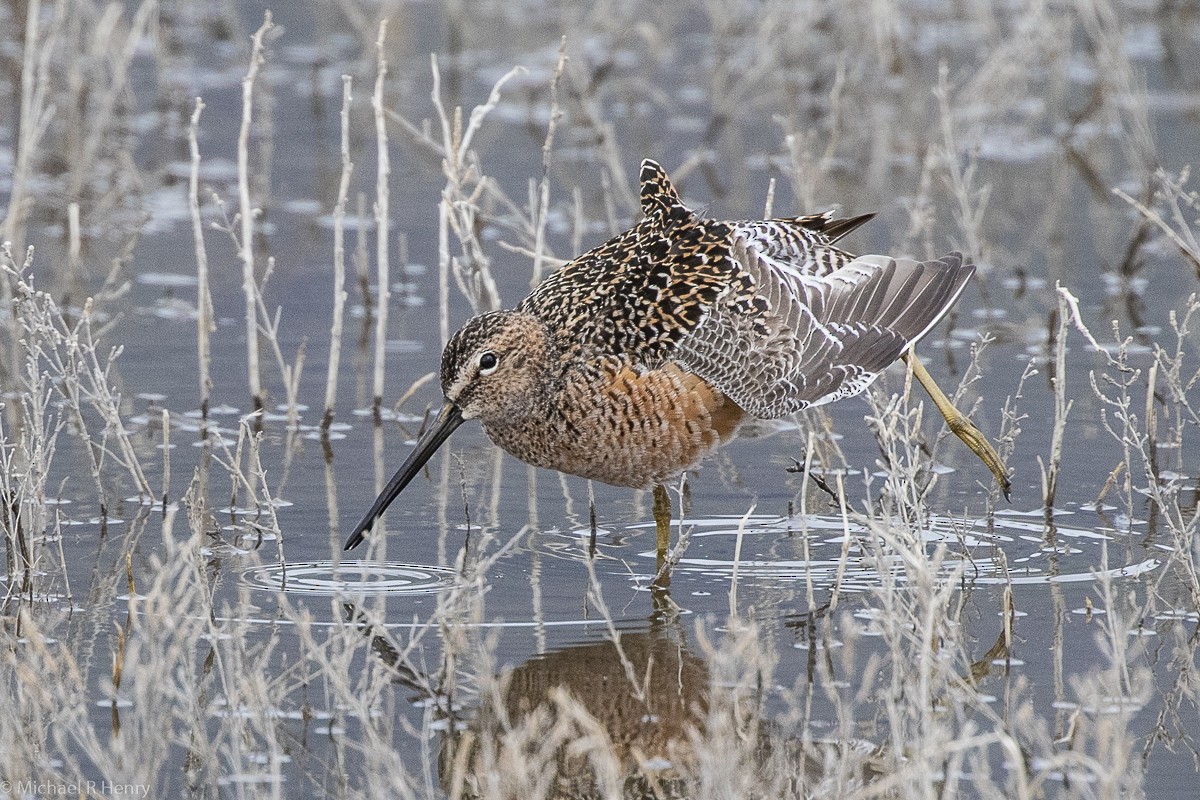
494,368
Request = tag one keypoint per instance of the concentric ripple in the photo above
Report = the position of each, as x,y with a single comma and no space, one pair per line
1031,556
350,577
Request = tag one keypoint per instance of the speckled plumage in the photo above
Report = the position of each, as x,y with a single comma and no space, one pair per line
645,352
631,363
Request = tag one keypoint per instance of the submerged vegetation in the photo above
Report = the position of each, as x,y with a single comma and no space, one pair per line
204,205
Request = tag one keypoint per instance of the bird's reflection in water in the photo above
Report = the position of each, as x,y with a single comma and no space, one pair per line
642,718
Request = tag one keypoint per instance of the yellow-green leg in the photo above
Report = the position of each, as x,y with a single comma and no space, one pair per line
662,523
962,427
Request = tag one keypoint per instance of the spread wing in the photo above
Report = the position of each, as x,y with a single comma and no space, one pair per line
771,313
816,329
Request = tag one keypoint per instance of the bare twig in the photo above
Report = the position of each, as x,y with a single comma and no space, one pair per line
205,324
382,221
248,213
339,261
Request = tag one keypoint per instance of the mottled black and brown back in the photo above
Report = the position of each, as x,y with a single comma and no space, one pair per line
637,295
770,312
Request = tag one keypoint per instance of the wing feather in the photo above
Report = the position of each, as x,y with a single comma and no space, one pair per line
810,337
770,312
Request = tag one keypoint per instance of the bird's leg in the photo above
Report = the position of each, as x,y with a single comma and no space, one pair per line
962,427
662,524
661,587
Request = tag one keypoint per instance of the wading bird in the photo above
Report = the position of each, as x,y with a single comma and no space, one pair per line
631,363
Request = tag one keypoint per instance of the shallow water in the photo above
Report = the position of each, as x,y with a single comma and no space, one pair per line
762,545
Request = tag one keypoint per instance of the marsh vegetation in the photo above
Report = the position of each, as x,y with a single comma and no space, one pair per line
234,243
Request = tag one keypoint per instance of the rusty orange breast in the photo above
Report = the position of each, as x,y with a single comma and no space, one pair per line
624,426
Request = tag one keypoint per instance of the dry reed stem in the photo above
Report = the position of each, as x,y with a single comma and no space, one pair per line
542,208
82,377
382,220
36,112
268,327
971,202
73,239
1062,407
205,323
596,596
120,48
247,214
339,260
737,559
165,419
362,260
618,187
444,267
459,206
1172,192
844,556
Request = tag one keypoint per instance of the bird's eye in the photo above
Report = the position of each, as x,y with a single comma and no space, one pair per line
488,361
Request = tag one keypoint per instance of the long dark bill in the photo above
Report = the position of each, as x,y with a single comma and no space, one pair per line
449,418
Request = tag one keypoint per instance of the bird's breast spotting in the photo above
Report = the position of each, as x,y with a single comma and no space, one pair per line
624,426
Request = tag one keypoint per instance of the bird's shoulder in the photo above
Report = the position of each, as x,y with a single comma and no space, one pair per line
639,292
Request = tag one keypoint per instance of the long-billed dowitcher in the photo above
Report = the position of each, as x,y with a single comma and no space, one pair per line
631,363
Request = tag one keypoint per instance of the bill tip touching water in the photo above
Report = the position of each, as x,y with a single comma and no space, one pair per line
636,360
